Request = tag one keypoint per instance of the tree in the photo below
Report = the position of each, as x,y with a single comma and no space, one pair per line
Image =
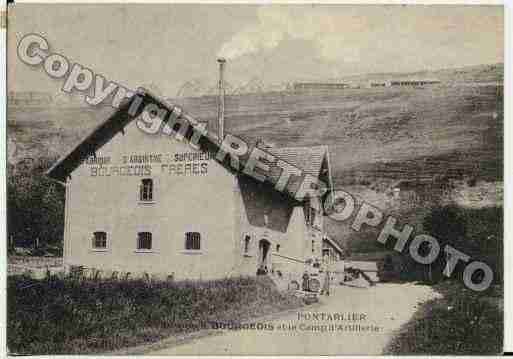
35,206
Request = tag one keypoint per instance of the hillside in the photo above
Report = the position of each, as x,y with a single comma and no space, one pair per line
481,73
375,136
391,133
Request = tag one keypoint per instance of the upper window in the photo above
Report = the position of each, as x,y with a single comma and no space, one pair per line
310,213
146,190
144,240
192,241
99,240
312,216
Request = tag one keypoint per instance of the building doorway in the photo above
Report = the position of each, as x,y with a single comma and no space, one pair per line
263,256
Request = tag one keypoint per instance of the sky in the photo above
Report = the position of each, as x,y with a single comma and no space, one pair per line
162,46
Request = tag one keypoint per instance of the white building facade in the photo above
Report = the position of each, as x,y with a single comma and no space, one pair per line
149,204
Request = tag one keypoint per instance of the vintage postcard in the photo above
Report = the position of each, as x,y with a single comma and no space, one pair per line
250,179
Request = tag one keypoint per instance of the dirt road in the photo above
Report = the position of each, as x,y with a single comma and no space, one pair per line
351,321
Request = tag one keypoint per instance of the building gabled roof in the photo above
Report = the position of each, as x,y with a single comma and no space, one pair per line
88,145
100,135
307,159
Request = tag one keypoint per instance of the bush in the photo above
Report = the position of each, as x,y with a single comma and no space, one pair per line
458,324
475,232
58,316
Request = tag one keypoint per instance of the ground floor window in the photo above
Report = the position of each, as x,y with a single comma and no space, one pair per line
144,240
99,240
192,241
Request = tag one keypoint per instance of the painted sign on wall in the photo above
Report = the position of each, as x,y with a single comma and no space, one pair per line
147,164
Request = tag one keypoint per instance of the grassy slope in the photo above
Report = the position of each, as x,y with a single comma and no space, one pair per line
87,316
362,126
461,323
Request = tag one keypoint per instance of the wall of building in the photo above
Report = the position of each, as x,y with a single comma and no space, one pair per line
192,193
189,195
320,85
255,204
334,254
29,98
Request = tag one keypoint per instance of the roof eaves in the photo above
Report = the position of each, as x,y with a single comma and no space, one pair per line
334,244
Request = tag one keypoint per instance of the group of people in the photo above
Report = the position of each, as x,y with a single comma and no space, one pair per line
313,284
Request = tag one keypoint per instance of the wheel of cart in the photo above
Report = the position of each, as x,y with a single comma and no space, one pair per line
314,285
294,285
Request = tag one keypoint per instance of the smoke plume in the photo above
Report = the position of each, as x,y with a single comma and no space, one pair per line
359,34
277,23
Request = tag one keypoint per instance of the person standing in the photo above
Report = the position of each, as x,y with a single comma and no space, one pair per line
306,278
327,273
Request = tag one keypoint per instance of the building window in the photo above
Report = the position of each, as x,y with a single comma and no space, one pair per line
310,213
313,246
192,241
146,190
99,240
144,241
247,244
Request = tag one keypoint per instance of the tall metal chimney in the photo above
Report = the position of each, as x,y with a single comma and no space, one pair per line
220,102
